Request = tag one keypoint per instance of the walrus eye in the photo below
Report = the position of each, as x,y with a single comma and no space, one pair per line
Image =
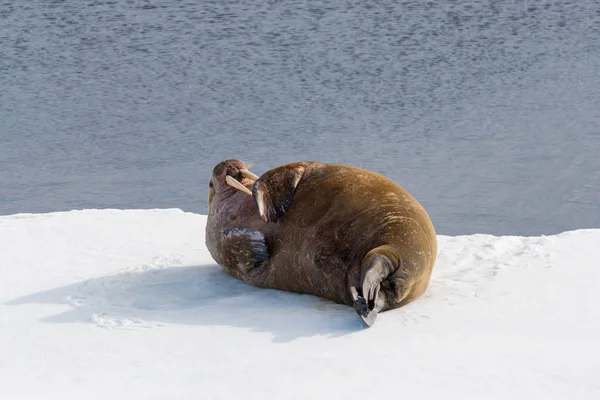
210,184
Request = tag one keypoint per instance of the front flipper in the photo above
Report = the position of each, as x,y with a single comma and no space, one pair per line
274,190
243,248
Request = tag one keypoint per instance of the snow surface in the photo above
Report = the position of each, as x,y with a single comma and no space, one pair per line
98,304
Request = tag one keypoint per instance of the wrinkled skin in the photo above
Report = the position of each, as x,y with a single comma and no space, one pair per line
335,231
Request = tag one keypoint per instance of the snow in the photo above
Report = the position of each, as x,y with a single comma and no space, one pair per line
127,304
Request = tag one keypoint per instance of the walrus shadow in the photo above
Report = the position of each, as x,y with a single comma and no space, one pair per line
195,295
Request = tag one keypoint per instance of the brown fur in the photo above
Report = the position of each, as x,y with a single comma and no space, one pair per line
332,219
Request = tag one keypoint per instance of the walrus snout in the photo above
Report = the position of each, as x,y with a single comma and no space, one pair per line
234,172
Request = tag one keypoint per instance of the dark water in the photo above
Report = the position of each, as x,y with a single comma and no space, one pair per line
487,111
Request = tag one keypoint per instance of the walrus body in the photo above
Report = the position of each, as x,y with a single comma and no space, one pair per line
335,231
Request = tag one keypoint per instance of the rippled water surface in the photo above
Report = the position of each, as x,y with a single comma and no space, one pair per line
487,111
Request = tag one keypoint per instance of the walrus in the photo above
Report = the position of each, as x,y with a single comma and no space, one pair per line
335,231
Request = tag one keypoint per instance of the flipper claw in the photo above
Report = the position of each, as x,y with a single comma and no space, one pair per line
367,313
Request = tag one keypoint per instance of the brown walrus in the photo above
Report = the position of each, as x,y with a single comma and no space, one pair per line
335,231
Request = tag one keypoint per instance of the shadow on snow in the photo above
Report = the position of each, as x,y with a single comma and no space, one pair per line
195,295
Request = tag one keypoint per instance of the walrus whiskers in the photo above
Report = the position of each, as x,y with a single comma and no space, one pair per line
231,181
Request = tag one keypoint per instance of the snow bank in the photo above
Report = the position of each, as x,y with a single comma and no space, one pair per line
129,304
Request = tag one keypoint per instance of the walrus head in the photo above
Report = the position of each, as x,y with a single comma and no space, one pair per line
230,176
230,197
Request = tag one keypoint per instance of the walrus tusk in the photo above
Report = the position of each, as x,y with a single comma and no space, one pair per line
231,181
248,174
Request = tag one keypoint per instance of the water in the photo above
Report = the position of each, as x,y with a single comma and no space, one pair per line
487,111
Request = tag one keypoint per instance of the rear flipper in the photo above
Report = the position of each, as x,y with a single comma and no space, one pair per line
368,310
382,284
242,249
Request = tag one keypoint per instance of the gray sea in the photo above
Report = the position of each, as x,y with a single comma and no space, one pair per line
487,111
